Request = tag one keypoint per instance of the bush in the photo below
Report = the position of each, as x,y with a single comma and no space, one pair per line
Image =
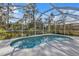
2,33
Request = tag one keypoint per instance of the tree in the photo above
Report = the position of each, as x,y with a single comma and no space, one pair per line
31,12
50,20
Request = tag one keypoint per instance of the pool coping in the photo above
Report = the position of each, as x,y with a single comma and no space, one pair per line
39,35
9,49
20,38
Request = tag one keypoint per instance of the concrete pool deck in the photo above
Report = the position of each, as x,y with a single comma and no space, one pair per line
64,48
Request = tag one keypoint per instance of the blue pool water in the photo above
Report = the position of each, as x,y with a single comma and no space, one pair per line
31,42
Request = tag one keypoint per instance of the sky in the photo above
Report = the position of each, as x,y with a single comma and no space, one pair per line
45,6
41,7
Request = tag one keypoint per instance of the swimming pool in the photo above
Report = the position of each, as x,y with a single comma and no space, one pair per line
33,41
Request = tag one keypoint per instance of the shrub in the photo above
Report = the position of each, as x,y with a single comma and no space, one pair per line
2,33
